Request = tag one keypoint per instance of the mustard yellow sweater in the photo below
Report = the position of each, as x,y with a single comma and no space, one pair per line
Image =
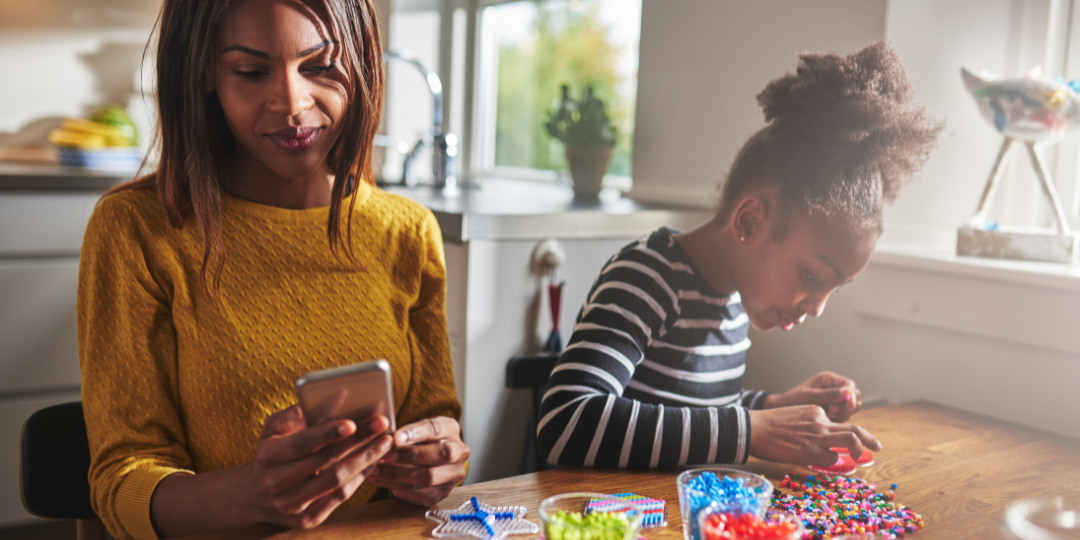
172,382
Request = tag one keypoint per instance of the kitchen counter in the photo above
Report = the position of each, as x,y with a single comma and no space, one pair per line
15,177
489,210
522,210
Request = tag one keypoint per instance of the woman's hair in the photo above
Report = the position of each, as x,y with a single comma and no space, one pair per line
842,137
195,142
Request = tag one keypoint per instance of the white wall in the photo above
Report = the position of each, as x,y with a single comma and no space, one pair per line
904,332
703,61
64,58
934,38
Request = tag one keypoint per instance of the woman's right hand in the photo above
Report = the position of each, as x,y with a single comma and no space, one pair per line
301,474
803,434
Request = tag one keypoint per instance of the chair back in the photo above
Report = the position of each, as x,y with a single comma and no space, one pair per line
54,463
531,372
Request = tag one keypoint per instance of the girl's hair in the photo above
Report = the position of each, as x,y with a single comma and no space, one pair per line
195,142
842,136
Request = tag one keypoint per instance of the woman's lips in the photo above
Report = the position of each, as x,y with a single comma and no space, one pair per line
295,139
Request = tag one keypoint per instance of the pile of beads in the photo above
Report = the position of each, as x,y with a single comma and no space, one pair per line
835,505
592,526
745,527
729,495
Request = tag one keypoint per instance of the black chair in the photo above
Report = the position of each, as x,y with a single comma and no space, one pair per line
531,372
54,463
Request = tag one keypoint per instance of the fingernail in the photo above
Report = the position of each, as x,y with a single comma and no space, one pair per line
377,425
385,442
345,429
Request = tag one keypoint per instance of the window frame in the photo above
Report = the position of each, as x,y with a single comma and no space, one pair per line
469,104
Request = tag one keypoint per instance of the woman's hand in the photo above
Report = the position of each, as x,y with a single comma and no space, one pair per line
301,474
803,434
834,393
428,460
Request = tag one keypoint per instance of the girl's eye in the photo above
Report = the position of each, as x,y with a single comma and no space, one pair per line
251,75
810,278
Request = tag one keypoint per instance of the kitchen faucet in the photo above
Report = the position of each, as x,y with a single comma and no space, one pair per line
443,144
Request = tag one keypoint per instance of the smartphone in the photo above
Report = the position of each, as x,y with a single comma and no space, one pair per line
355,392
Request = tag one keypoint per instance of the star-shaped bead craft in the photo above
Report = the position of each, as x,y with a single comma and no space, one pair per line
478,520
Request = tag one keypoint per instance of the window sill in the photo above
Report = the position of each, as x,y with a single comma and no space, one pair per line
934,250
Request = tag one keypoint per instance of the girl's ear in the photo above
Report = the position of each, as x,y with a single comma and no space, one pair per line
748,221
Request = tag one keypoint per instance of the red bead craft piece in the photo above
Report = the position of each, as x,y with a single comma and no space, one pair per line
865,460
844,465
831,506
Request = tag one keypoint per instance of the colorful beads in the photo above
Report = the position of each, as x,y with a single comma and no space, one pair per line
730,495
746,526
592,526
834,505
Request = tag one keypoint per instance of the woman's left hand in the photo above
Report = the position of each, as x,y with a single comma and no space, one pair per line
836,394
427,461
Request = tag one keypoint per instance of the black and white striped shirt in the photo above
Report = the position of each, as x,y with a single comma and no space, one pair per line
653,373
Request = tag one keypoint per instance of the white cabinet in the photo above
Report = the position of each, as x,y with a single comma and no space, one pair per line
496,310
40,238
38,350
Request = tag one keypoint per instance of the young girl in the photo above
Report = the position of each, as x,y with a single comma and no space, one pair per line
255,254
652,376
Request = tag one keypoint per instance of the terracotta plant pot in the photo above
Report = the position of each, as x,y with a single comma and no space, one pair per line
587,167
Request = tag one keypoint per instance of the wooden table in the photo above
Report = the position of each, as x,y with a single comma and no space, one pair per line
959,470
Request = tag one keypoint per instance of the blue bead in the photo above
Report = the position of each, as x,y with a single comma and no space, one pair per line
894,486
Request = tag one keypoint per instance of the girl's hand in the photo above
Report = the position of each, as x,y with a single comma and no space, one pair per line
300,474
428,460
803,435
834,393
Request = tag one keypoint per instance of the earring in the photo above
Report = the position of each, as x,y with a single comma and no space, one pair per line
742,239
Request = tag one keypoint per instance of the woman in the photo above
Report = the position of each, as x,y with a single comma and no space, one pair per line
257,253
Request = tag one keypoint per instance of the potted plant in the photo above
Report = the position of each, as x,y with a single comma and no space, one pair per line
588,137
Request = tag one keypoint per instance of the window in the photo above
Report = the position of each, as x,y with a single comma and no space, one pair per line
529,50
502,65
1048,39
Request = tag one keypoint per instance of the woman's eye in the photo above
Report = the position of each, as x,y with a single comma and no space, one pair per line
249,74
810,278
321,69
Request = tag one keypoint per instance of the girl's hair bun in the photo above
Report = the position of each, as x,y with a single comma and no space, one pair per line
830,90
842,136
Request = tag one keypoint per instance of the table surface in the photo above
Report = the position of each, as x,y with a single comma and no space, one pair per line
957,469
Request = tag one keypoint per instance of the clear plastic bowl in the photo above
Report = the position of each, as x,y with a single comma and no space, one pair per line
1042,519
690,515
772,515
555,529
